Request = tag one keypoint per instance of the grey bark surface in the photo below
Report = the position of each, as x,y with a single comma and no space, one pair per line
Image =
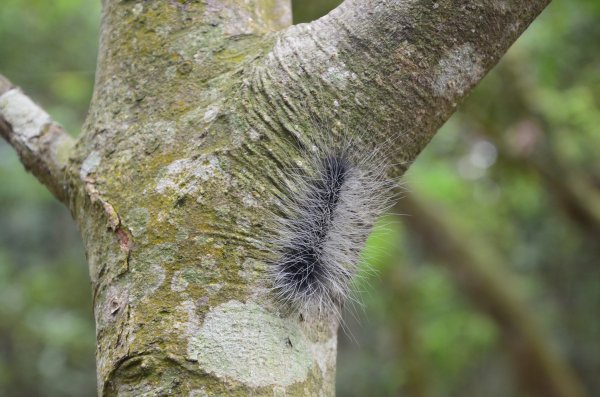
196,106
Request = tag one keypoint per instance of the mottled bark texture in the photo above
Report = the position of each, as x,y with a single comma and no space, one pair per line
197,105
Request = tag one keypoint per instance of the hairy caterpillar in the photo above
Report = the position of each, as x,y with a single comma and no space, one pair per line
328,212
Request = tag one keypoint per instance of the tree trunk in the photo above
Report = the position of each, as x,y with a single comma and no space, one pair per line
194,109
538,366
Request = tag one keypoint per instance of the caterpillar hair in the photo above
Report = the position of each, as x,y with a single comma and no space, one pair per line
327,213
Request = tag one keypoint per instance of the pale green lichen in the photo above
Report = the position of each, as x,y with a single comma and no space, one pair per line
137,221
211,113
252,270
253,135
198,393
338,75
324,354
89,165
63,149
25,117
178,282
457,71
147,270
185,176
246,343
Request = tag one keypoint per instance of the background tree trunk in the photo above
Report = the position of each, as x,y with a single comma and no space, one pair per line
170,181
540,369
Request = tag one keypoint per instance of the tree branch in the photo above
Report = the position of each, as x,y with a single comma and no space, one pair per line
42,144
538,366
390,66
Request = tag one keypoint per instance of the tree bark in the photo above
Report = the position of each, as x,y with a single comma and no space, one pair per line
42,144
194,109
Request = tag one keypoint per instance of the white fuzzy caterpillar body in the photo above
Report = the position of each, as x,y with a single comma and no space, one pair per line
328,214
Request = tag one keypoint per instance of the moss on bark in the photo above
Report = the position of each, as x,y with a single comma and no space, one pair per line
196,107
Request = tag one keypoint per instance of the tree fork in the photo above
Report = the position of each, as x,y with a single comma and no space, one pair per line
194,105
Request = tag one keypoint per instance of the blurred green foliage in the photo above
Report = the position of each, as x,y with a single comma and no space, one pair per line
516,171
46,320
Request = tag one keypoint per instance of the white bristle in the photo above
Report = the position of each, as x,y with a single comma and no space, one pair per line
328,212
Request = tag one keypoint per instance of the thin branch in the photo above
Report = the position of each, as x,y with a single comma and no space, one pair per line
42,144
537,364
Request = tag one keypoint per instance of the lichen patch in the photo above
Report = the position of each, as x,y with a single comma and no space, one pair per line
178,282
89,165
458,71
338,75
253,134
137,220
245,343
324,354
198,393
184,176
251,270
26,118
211,114
148,270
